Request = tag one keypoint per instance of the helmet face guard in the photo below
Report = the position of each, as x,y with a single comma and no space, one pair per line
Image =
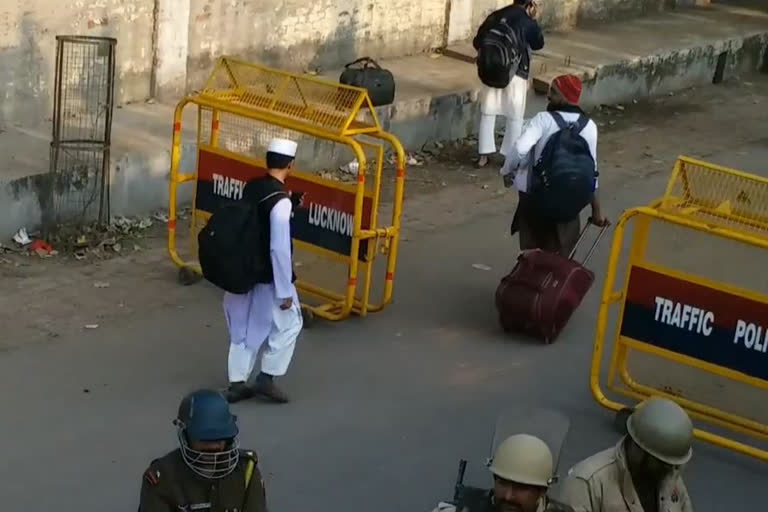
209,464
204,416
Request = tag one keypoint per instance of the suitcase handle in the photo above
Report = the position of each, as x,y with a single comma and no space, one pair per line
366,61
594,244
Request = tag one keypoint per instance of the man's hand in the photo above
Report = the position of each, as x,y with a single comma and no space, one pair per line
297,199
598,220
286,304
533,10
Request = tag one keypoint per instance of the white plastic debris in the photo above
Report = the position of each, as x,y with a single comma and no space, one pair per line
481,266
21,237
161,217
412,161
145,223
351,168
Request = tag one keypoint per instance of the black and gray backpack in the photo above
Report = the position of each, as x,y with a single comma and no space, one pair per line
499,55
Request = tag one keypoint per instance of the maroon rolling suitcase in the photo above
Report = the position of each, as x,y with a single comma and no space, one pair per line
543,290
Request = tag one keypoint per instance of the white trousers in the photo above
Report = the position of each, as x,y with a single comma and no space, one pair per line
276,350
509,103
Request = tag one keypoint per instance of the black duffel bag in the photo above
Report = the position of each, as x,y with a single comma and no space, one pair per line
366,73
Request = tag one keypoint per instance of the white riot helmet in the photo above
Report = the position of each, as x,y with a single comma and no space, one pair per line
523,459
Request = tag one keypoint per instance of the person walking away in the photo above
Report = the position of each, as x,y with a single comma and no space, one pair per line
267,320
504,42
522,469
208,472
642,473
556,180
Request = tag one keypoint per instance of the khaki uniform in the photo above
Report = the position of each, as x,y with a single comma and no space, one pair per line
545,505
169,485
602,483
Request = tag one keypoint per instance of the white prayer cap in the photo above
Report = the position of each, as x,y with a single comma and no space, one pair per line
283,147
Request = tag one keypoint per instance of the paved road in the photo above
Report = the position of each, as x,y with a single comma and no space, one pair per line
383,408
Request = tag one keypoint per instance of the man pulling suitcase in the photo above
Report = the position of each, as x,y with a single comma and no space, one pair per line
553,166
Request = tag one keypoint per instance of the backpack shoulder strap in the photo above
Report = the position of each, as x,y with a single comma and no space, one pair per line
559,120
273,194
265,204
581,123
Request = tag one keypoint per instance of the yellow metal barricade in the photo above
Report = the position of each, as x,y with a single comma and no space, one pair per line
242,107
699,338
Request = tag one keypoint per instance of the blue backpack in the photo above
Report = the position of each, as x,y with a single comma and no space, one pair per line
563,179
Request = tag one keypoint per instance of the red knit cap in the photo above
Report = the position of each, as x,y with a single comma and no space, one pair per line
569,87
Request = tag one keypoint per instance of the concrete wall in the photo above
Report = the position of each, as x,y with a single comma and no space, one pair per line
467,15
674,70
28,29
167,47
301,34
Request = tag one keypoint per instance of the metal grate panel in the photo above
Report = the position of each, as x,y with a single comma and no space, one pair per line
82,130
718,196
319,104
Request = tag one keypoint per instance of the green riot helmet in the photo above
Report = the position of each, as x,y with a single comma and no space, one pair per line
662,429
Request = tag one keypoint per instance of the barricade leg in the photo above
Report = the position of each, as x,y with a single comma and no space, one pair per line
361,306
176,178
637,252
607,300
392,237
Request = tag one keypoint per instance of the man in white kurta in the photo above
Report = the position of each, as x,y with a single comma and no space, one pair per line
265,322
508,102
534,232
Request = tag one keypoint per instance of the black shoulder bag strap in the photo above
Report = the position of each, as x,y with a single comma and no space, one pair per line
366,62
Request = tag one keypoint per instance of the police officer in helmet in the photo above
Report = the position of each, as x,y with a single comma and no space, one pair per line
522,469
208,472
642,473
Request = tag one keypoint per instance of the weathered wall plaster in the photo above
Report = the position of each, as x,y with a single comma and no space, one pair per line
167,47
298,34
28,30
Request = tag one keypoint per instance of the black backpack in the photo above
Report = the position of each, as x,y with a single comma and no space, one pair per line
499,55
231,246
563,180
